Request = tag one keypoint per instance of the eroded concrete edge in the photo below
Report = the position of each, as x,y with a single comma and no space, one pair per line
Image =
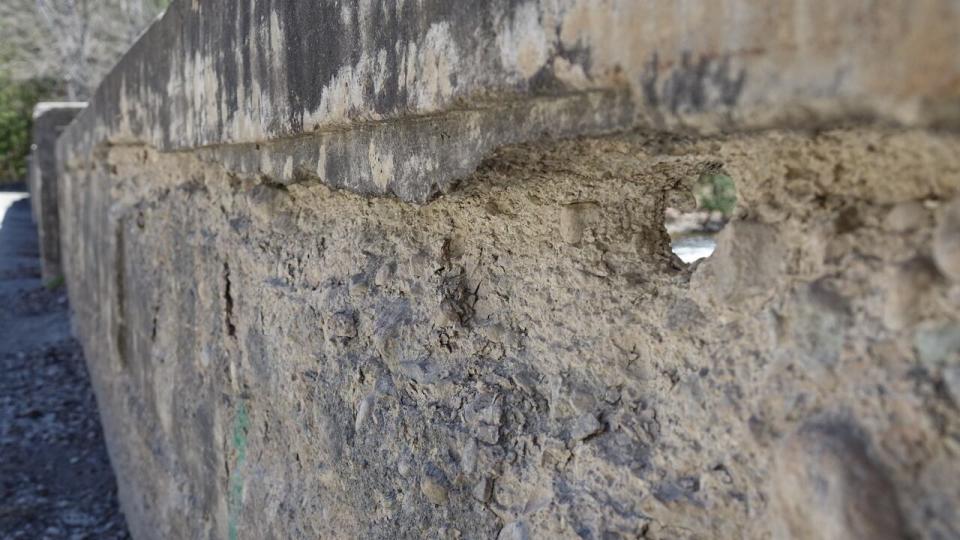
265,72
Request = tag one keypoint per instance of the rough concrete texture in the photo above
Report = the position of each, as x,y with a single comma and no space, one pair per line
410,96
279,350
49,120
523,357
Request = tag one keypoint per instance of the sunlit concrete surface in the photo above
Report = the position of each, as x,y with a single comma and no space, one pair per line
47,106
7,200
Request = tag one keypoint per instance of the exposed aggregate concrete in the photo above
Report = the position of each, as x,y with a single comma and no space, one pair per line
523,357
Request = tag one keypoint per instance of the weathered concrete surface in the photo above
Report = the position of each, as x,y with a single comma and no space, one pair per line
476,75
521,356
49,120
524,354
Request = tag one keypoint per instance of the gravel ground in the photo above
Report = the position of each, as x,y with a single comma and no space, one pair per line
55,476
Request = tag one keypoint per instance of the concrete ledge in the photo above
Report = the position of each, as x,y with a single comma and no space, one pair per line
217,73
49,120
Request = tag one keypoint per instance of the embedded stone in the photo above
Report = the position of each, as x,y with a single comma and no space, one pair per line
946,240
827,486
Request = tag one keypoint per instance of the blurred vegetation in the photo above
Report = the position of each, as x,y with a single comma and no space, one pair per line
17,99
54,283
57,50
715,191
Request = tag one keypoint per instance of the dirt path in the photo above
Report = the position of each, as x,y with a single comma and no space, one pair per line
55,477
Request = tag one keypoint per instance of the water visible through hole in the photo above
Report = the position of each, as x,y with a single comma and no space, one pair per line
693,233
695,247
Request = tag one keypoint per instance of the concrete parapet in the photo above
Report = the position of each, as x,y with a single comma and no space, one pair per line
49,120
406,97
399,270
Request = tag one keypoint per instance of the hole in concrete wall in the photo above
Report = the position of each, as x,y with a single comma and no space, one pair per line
693,232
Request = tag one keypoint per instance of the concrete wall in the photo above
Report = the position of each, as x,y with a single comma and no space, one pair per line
49,119
399,270
470,77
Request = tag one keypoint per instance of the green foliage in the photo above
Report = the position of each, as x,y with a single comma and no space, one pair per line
17,99
55,283
716,191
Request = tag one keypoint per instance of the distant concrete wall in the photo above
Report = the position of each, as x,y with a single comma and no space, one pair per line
49,120
399,270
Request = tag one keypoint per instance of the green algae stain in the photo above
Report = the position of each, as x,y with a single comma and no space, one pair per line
241,423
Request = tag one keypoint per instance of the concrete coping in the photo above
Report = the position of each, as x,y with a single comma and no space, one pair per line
46,106
380,82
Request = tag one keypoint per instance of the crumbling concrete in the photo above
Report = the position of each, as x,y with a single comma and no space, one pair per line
521,356
468,77
49,119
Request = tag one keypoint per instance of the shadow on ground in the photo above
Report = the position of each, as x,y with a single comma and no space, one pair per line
55,476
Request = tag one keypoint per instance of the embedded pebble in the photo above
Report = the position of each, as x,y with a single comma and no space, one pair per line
404,466
826,486
468,456
908,292
906,216
363,411
433,490
585,426
482,489
514,531
342,325
946,240
575,218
